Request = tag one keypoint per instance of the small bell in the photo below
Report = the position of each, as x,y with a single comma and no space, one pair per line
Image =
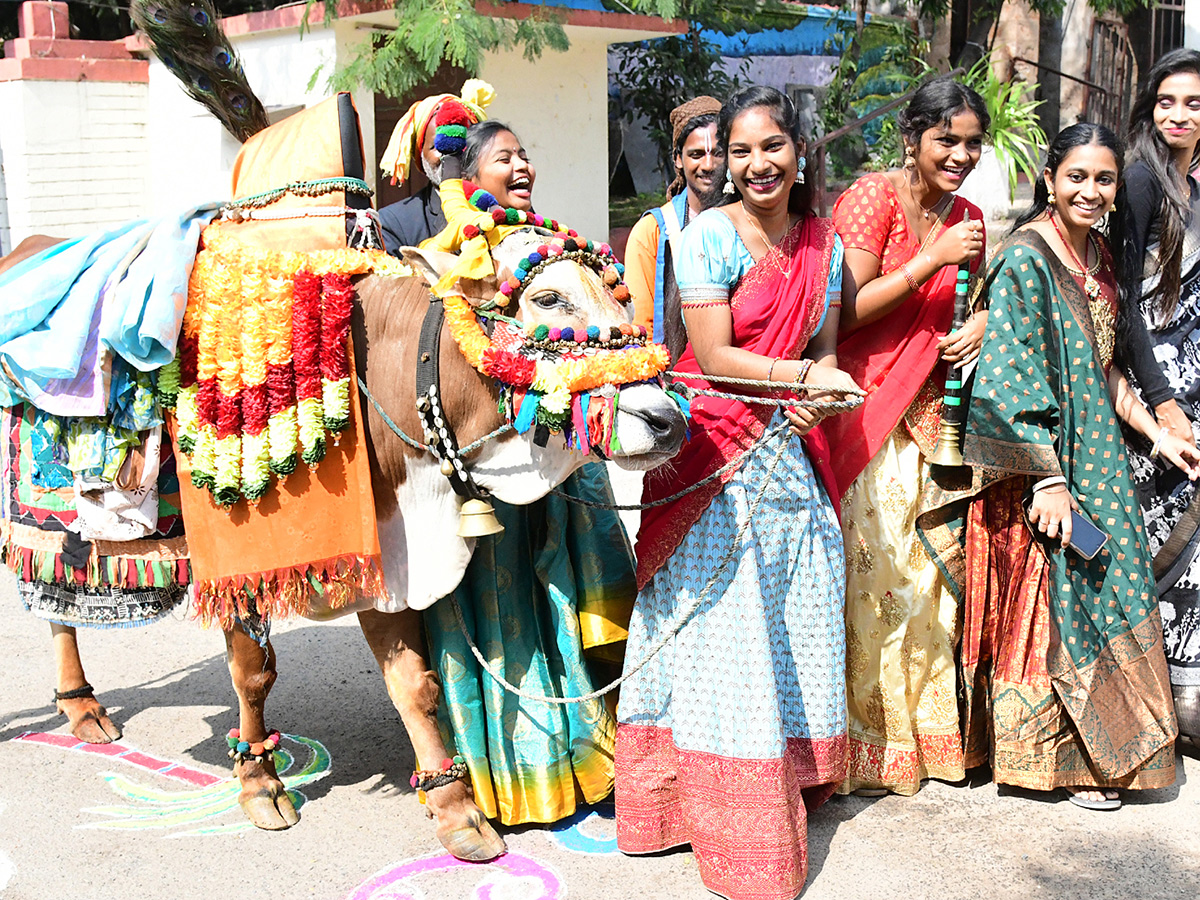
477,518
447,468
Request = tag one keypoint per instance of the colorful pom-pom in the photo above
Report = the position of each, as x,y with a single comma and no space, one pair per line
571,232
621,269
581,336
447,145
513,283
513,216
414,781
568,333
614,332
451,112
470,231
506,289
593,332
499,216
540,332
555,334
621,293
243,746
626,329
534,258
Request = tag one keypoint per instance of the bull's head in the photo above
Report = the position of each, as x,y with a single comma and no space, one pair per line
568,294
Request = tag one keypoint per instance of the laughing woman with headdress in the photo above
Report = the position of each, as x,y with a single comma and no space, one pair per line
1162,222
1065,682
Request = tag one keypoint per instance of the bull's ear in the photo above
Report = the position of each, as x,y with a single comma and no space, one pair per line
431,264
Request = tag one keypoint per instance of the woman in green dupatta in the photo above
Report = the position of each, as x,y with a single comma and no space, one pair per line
1065,681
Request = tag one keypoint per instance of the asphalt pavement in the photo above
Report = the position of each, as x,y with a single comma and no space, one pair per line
156,816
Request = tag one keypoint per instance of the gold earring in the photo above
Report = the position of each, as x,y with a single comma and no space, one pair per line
1050,198
910,161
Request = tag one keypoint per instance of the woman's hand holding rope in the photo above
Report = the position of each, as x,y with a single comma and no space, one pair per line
834,384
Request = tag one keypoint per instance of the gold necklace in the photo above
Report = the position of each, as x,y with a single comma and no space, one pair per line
766,242
926,211
1090,285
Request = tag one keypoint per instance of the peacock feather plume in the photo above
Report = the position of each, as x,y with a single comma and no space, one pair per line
187,37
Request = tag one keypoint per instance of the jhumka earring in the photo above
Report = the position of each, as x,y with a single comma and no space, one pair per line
1050,198
800,164
728,189
910,161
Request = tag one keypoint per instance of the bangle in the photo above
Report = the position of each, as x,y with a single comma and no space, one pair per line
913,284
802,372
1162,433
1049,482
771,368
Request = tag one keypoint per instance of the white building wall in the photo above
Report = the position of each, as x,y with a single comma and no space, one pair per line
192,155
74,156
558,106
1191,25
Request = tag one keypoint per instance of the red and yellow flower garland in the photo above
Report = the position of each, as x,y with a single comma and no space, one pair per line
262,370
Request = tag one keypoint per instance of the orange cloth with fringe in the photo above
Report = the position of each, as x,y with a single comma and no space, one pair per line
311,540
313,523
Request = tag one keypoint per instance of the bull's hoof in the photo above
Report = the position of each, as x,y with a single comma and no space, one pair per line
264,799
89,721
461,827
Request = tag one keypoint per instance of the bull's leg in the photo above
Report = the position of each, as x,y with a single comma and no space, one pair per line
88,719
264,799
397,641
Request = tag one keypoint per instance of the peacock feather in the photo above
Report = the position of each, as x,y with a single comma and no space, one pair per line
187,37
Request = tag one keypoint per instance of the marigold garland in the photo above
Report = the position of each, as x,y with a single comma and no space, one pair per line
262,373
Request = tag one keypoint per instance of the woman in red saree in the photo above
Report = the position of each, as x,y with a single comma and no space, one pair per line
736,726
906,235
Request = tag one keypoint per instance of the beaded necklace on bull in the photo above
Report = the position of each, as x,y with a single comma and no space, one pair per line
553,380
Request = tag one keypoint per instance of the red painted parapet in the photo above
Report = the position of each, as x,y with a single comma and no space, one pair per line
45,51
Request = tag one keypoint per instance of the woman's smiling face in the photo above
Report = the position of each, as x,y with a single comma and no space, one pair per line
506,173
948,152
762,158
1177,110
1084,186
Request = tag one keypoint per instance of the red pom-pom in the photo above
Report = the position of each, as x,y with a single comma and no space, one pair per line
451,112
470,231
499,216
469,188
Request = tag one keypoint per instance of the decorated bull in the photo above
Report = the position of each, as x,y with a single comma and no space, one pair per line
501,381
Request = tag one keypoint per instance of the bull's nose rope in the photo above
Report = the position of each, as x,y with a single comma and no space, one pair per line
667,635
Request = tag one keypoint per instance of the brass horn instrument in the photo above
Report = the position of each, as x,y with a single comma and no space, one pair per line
954,410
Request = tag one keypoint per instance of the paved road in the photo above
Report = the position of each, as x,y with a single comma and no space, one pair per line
83,825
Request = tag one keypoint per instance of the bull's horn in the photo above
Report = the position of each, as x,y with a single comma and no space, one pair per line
477,518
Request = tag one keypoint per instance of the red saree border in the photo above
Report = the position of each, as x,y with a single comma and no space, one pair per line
746,819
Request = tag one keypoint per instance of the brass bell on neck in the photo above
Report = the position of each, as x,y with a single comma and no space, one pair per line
477,518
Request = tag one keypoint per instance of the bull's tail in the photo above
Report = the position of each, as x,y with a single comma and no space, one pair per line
186,36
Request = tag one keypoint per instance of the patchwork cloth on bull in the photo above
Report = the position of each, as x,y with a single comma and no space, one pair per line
275,481
90,518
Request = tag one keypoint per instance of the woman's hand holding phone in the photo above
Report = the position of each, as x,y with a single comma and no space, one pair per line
1050,512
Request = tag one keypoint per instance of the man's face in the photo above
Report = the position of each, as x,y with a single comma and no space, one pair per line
431,160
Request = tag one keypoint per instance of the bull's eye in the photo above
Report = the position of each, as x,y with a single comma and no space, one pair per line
548,300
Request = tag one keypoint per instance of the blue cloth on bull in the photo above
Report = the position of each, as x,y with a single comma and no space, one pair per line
71,308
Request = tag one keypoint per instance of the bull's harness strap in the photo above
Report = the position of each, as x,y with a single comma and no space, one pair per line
439,433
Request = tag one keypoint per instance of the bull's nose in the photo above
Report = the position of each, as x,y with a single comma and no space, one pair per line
663,423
